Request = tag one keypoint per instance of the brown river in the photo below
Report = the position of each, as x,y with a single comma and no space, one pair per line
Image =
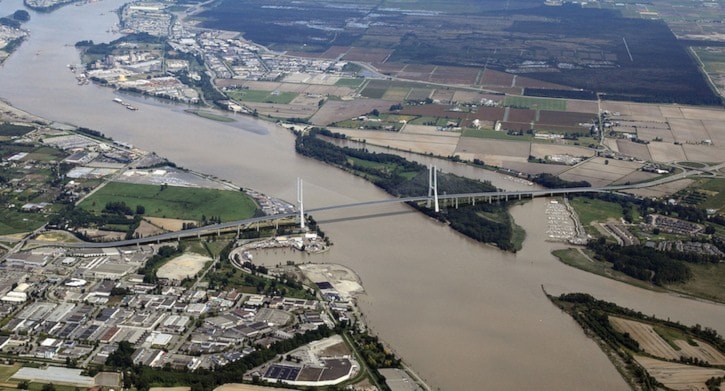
464,315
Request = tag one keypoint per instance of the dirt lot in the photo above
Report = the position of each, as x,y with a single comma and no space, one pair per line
185,265
666,152
147,229
168,224
343,279
427,130
703,114
437,144
543,150
678,376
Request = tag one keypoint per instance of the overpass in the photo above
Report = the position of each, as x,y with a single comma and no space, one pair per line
432,198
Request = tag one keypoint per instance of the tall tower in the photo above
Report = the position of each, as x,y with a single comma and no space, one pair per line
433,187
300,203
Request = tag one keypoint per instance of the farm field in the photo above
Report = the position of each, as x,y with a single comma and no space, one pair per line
262,96
678,376
441,145
174,202
600,172
713,61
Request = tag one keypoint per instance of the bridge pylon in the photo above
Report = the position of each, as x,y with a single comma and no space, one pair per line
300,202
433,187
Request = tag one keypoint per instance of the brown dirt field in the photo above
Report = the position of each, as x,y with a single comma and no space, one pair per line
716,130
305,100
168,224
535,168
488,114
334,111
635,177
662,190
678,376
599,174
522,81
612,144
467,96
640,151
581,106
336,350
367,54
688,131
703,351
283,111
247,387
493,152
703,114
646,336
396,94
104,236
703,153
671,112
542,150
330,90
185,265
640,111
666,152
147,229
496,78
521,115
443,96
650,134
435,144
565,118
494,147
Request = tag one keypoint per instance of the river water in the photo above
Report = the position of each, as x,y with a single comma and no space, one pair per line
464,315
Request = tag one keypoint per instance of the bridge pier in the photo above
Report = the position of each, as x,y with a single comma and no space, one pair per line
433,187
519,196
239,230
456,202
506,197
473,201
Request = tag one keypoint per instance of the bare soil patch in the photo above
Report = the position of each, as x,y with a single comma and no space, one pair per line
535,168
168,224
494,151
703,153
581,106
147,229
635,177
185,265
283,111
646,336
678,376
444,145
688,131
427,130
716,130
703,114
640,151
666,152
663,189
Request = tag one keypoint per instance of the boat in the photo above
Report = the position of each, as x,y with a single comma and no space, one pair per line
118,100
131,107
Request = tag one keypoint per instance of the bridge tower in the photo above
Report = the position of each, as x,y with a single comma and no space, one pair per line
433,187
300,203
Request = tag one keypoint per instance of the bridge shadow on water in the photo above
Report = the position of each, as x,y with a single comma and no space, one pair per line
366,216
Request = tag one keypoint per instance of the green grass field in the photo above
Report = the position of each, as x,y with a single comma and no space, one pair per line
492,134
12,222
535,103
595,210
262,96
175,202
715,189
354,83
707,281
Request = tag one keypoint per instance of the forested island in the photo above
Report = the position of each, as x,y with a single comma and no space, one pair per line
484,222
